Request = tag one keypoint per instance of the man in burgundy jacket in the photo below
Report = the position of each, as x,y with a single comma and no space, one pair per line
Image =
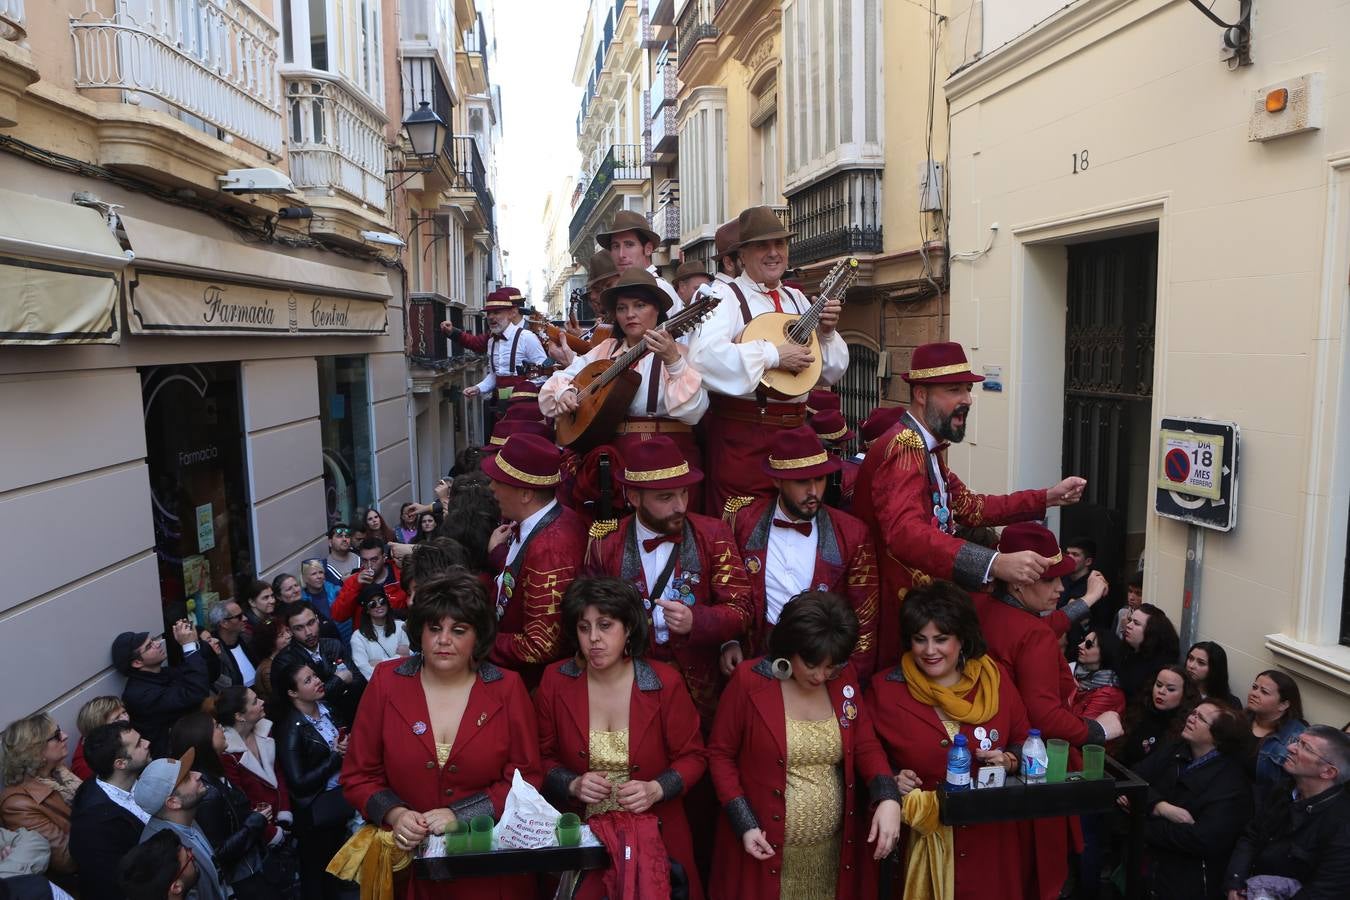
685,566
793,543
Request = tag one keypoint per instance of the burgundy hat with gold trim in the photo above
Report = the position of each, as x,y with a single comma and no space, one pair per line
525,461
498,299
796,454
507,427
512,294
819,401
522,412
657,465
1030,536
880,421
830,427
940,363
524,394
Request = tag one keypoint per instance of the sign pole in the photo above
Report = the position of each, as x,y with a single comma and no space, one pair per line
1190,598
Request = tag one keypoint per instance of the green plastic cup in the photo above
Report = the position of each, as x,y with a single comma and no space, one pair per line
1057,765
480,834
1094,762
568,830
457,838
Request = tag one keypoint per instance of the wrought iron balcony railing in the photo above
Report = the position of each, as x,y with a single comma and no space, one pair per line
215,60
694,24
836,216
471,174
12,24
335,142
623,162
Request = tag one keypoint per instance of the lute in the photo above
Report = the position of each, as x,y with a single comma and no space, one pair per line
775,327
547,332
606,387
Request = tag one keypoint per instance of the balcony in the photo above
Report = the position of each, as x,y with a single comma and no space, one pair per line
471,178
623,162
476,48
335,140
665,221
12,24
838,216
694,24
212,60
427,344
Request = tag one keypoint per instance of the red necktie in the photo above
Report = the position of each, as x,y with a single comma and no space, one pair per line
773,295
802,528
650,544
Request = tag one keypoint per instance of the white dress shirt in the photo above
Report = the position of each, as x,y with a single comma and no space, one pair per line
789,563
246,669
653,564
736,369
529,350
676,303
124,799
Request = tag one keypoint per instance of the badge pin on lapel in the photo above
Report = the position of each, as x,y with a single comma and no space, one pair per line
419,728
482,717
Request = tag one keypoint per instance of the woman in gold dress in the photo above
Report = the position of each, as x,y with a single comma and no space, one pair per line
789,747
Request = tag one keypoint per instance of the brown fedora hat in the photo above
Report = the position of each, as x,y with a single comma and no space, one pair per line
636,282
760,223
600,267
628,220
690,269
727,238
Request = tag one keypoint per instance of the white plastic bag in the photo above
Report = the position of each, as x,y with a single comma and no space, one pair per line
528,819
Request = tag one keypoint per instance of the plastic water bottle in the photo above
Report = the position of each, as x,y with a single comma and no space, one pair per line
958,765
1034,758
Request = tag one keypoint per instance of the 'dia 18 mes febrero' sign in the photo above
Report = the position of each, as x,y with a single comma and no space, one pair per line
1197,477
164,304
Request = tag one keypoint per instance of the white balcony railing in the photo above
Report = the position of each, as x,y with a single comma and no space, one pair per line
214,60
335,141
12,26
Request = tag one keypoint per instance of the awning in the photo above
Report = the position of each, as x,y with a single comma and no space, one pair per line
60,275
191,284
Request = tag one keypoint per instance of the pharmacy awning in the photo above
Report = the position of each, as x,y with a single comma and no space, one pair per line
60,273
193,284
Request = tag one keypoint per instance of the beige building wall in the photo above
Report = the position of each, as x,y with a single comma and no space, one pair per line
1253,255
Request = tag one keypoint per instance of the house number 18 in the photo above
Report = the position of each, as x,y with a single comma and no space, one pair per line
1080,161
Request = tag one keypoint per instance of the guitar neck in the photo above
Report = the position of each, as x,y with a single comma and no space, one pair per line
834,285
682,322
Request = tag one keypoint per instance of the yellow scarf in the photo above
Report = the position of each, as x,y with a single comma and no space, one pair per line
981,675
370,858
929,866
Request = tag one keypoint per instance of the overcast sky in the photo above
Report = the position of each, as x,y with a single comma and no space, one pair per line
536,47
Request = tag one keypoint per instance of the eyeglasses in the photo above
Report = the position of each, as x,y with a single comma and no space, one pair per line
1089,643
149,644
1304,748
341,532
1195,714
187,862
238,615
377,601
57,737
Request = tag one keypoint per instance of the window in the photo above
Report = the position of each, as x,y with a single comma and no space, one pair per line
832,85
860,389
703,163
344,418
764,122
338,36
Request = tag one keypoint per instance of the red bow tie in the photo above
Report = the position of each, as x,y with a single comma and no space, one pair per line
802,528
650,544
515,532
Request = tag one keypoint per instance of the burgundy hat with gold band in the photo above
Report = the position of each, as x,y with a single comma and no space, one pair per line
1030,536
498,299
522,412
510,293
830,427
507,427
525,461
796,454
941,363
819,401
880,421
657,465
525,393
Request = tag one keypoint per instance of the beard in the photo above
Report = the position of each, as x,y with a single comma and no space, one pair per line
799,513
672,524
941,426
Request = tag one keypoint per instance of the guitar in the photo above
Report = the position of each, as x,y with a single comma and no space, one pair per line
774,327
547,332
606,387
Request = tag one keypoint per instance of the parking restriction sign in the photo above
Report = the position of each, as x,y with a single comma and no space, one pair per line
1197,477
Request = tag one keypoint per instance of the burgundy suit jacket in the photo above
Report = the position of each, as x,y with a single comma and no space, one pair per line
845,565
531,621
894,497
711,568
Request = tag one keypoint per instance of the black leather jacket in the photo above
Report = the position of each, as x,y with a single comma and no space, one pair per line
233,828
1307,840
305,758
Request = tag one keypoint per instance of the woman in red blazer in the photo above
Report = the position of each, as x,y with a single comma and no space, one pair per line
946,684
608,689
784,821
439,735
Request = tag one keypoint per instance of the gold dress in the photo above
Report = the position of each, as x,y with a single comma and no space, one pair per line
609,754
815,810
443,753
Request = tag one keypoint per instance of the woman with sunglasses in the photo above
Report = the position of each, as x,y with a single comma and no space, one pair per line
1095,673
380,636
39,789
1199,800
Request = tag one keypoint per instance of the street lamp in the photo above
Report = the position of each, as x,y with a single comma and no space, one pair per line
426,131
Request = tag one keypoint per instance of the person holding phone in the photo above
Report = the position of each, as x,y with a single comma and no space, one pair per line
376,568
157,694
